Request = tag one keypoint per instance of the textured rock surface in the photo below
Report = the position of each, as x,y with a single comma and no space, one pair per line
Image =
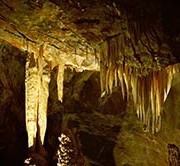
78,27
13,139
105,130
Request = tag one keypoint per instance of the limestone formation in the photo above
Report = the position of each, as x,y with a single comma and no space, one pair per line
37,92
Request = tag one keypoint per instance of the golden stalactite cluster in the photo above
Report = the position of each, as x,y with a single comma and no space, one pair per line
147,89
38,75
40,62
149,92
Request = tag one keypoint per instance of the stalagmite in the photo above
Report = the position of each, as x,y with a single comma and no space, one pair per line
60,80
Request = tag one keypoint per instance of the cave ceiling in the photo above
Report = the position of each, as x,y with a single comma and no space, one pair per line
73,31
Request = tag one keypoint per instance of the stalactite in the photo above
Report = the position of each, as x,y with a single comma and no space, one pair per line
156,98
112,65
147,103
134,86
169,78
111,81
152,101
31,95
107,81
143,100
148,90
103,65
164,86
126,80
44,76
37,92
115,64
154,84
60,80
120,76
115,77
140,106
108,73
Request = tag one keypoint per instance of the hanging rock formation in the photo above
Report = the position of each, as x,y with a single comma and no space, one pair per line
38,75
148,89
37,92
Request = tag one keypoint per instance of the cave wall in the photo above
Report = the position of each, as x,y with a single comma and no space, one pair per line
13,138
105,130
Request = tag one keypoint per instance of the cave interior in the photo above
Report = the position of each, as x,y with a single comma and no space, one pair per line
89,83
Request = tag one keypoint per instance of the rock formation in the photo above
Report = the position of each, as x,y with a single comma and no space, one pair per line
47,46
